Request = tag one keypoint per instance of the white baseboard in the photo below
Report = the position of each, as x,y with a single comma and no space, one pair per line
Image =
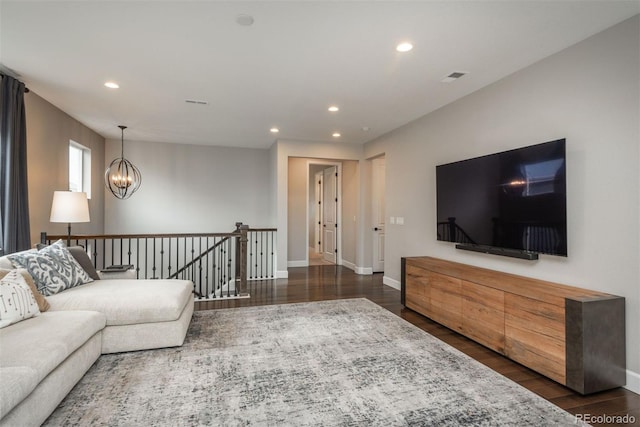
364,270
391,282
349,265
356,269
633,381
299,263
282,274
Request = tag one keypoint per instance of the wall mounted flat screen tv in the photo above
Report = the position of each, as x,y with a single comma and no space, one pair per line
513,201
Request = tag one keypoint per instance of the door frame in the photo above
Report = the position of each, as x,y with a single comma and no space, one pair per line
377,194
328,163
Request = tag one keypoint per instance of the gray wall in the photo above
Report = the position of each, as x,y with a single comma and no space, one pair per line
297,201
350,211
191,188
589,94
49,130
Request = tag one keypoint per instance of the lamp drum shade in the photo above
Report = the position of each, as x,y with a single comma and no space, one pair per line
69,206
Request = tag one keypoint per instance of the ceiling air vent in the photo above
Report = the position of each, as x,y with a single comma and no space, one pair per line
453,76
196,101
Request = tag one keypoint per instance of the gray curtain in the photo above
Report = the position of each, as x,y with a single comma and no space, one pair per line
14,197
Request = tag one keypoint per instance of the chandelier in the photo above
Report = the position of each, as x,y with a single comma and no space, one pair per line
122,178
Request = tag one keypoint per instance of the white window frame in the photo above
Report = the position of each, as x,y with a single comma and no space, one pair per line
85,167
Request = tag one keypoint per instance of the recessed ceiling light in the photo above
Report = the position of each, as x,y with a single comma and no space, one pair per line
274,130
336,135
112,85
404,47
333,108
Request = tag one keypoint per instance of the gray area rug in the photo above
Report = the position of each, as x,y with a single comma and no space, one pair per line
330,363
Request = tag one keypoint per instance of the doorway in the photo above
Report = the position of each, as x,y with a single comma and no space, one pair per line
324,212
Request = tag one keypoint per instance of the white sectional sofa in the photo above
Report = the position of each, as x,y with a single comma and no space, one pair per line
43,357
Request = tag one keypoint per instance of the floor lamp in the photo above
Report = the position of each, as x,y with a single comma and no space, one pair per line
69,206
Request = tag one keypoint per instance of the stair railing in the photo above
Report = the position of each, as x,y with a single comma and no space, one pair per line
219,264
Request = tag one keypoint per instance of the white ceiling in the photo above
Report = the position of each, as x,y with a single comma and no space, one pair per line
297,58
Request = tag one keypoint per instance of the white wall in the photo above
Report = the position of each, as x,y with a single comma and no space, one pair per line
588,94
191,188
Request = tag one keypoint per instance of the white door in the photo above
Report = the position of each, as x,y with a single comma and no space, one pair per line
378,212
330,214
318,212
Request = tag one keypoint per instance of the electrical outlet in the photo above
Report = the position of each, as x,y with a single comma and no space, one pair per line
392,220
400,220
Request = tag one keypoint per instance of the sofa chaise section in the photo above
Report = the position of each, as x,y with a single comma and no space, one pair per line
41,359
140,314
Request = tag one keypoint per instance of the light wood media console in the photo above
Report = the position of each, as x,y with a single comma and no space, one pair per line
571,335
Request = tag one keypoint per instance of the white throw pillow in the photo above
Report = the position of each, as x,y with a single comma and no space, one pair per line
16,300
53,268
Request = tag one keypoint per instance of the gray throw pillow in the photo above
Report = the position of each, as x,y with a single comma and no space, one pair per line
53,268
83,259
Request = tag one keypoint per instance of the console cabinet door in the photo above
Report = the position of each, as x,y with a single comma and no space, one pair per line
535,335
445,298
417,289
483,315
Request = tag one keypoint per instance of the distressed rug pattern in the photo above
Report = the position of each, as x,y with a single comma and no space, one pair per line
331,363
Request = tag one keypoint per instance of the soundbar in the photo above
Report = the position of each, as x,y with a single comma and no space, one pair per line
513,253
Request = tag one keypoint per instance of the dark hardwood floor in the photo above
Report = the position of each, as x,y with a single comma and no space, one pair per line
318,283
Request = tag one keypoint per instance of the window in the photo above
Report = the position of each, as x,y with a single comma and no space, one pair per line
79,168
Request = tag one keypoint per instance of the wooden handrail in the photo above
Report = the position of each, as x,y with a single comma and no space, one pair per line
132,236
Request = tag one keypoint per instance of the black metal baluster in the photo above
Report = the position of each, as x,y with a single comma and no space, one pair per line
262,254
154,259
229,278
177,255
138,258
255,267
104,253
95,253
169,258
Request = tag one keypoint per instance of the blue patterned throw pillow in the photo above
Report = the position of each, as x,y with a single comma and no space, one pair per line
53,268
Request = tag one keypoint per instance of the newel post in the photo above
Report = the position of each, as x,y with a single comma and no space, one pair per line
241,255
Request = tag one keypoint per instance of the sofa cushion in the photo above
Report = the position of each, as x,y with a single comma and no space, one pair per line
17,383
17,302
36,346
128,302
6,263
80,255
53,268
43,305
